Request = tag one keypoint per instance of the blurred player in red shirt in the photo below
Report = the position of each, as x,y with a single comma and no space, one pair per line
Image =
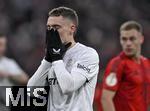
127,75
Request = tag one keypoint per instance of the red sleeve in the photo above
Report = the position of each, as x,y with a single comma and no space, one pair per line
113,74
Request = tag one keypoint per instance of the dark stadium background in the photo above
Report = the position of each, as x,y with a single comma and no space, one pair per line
24,22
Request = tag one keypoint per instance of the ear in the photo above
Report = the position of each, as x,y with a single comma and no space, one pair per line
73,28
120,40
142,39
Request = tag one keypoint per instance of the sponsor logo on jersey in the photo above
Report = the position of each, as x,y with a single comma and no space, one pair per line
52,81
111,79
83,67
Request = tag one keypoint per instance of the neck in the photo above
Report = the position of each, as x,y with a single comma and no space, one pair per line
137,57
72,44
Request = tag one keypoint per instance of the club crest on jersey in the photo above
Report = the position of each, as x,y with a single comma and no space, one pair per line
69,63
56,51
83,67
111,79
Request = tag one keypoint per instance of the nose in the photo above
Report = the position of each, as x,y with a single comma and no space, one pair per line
128,43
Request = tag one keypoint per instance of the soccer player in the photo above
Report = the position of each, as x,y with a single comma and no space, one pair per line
71,67
126,76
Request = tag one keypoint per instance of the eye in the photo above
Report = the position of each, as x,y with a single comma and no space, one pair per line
124,39
132,38
48,27
53,26
57,27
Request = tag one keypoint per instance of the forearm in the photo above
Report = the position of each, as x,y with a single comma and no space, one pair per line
39,77
68,82
107,104
21,79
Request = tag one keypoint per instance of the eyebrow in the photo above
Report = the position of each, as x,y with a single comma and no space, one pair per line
55,25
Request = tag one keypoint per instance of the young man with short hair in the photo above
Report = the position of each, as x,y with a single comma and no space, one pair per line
71,67
126,76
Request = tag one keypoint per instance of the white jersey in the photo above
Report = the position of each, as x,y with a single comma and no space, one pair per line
10,66
72,80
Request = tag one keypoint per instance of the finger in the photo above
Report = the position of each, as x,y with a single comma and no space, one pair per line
46,36
49,35
57,38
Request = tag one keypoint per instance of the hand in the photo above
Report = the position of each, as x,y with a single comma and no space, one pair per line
55,49
4,74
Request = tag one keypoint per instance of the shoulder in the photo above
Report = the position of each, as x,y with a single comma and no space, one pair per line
88,53
118,59
6,59
9,61
85,50
145,60
117,62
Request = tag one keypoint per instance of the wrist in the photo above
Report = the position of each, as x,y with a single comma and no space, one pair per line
9,76
56,58
57,62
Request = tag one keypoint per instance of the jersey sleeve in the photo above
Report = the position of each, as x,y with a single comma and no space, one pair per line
14,68
40,76
113,74
85,68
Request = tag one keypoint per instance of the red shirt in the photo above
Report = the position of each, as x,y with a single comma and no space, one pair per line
129,79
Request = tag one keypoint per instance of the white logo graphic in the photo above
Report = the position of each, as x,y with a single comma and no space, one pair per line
56,51
111,79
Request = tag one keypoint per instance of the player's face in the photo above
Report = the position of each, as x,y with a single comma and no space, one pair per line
65,27
2,46
131,41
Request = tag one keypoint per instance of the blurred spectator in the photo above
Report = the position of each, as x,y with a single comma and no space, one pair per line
10,73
